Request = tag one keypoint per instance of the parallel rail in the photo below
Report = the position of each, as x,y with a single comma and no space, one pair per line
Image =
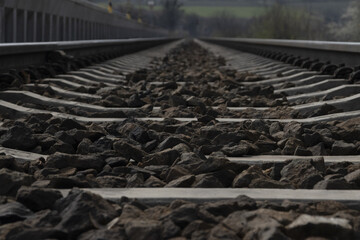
20,55
347,53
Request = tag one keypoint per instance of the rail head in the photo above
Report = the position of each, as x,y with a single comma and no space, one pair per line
347,53
18,55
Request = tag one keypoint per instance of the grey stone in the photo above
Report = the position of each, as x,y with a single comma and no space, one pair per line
338,183
330,227
353,177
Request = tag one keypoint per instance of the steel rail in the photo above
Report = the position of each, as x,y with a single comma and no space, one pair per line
19,55
347,53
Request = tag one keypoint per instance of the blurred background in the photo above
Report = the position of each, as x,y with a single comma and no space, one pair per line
337,20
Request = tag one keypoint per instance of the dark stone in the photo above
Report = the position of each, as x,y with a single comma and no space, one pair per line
197,225
268,183
62,147
116,161
13,212
318,150
211,164
311,139
166,157
19,231
98,234
135,101
18,137
236,151
300,151
293,129
170,229
183,215
136,180
275,127
82,162
343,148
176,172
69,124
84,147
176,101
37,199
301,173
66,183
11,181
143,229
80,209
128,150
9,162
219,232
151,145
139,134
207,181
111,182
291,145
170,142
185,181
154,182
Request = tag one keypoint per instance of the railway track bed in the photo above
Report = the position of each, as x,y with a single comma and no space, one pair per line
180,142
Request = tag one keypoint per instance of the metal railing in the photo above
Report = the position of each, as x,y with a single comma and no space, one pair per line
65,20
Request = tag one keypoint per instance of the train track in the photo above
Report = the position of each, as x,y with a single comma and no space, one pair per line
171,139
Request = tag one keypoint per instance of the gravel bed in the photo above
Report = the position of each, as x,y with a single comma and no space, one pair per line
38,213
176,154
173,154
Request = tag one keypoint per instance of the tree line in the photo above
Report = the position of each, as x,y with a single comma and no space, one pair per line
279,21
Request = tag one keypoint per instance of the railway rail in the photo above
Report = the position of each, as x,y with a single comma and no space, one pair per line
180,139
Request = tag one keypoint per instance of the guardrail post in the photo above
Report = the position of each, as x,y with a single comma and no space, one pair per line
57,28
25,25
51,27
2,24
70,29
43,27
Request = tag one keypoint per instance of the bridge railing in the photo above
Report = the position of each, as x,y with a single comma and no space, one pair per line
65,20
